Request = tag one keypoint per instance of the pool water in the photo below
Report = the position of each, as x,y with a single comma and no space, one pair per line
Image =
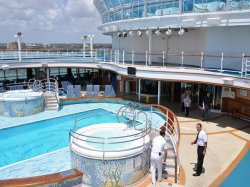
30,140
240,175
22,95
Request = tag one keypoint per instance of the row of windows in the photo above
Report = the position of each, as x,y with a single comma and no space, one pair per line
112,10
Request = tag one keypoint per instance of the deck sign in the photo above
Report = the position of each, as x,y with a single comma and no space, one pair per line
131,71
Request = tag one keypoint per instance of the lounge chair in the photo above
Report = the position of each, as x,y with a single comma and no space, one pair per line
12,87
112,93
96,90
89,90
65,84
77,91
19,87
107,91
70,91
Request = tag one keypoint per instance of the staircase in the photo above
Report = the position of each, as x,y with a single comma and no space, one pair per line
169,168
51,102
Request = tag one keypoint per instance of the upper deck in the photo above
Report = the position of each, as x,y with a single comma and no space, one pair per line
173,13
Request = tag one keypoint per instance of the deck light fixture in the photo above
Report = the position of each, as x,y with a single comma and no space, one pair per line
169,32
124,34
158,32
131,33
119,34
181,31
148,32
139,33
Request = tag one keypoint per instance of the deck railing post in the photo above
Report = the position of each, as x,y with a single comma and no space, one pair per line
221,62
118,56
163,58
242,64
146,58
123,57
104,55
202,57
111,55
133,57
182,58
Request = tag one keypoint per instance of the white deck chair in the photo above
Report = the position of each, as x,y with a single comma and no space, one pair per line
77,91
112,92
70,91
107,91
89,90
12,87
96,90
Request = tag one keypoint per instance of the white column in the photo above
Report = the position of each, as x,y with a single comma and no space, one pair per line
127,87
149,47
47,72
159,92
121,86
91,44
139,91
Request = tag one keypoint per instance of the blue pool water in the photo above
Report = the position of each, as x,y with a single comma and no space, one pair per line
240,175
30,140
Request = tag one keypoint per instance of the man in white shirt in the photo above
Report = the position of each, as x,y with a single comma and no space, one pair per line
159,147
201,141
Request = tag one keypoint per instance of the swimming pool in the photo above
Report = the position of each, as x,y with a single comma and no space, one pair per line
30,140
240,175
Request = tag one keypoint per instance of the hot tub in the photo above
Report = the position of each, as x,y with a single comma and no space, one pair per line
20,103
109,154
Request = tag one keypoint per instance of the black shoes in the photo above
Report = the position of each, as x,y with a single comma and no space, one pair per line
196,174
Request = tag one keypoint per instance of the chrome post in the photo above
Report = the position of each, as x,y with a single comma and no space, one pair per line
182,58
123,56
96,55
163,58
242,64
133,57
202,59
111,55
221,62
104,55
146,58
118,56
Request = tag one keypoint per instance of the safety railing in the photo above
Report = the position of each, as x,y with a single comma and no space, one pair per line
219,63
81,140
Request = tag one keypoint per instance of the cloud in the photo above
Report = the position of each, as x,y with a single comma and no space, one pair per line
51,20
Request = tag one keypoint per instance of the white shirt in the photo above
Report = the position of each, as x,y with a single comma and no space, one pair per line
159,144
187,102
202,138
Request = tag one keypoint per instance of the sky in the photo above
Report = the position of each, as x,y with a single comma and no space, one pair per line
50,21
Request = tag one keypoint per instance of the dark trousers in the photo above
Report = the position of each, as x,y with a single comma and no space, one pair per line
182,107
200,150
187,111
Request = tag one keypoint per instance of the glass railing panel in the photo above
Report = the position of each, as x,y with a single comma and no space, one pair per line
118,15
240,4
111,16
154,8
138,11
187,6
215,5
127,13
170,7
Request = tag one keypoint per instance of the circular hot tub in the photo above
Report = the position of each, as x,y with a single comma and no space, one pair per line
20,103
109,154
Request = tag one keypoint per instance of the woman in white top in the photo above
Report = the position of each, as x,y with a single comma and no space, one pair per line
187,104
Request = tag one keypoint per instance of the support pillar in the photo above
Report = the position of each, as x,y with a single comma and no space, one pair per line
159,92
139,90
150,47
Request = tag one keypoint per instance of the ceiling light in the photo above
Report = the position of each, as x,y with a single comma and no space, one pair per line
169,31
124,34
139,33
158,32
131,33
181,31
119,34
